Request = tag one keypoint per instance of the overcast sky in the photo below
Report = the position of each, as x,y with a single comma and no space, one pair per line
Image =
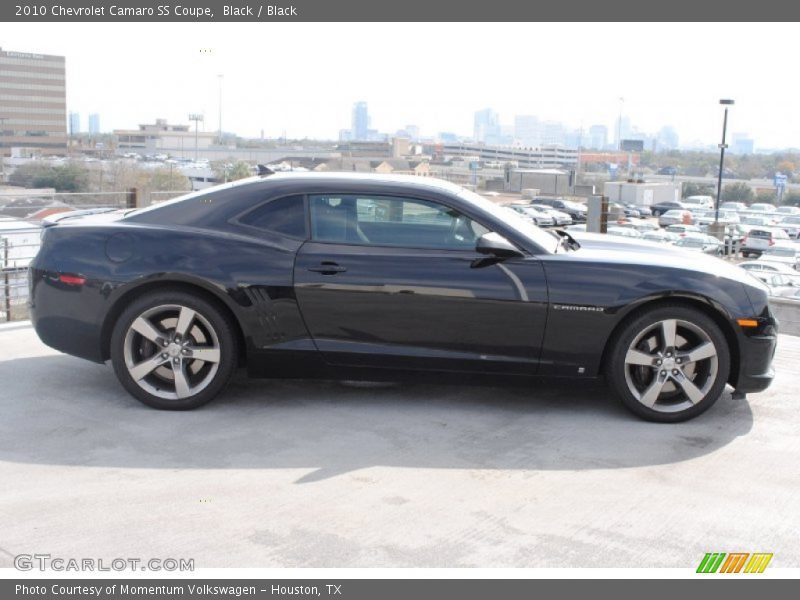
300,79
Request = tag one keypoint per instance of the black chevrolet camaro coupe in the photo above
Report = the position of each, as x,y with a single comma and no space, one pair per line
386,278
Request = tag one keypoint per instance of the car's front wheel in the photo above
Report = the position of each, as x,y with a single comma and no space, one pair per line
669,364
173,350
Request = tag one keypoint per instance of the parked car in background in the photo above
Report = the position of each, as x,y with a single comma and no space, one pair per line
661,207
769,266
785,252
623,232
660,235
576,210
681,230
762,207
788,210
640,225
726,217
757,220
673,217
793,296
737,206
779,284
667,171
791,225
631,210
700,242
533,215
691,202
559,218
759,239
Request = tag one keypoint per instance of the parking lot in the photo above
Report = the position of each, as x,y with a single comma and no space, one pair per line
321,474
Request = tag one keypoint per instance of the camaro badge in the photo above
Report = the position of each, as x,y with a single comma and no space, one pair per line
577,307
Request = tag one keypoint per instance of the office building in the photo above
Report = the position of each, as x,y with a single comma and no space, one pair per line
94,124
487,126
74,123
598,137
409,131
527,130
360,121
742,144
666,139
544,157
624,130
160,137
33,102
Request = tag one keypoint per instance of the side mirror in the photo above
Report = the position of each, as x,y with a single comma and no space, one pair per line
496,245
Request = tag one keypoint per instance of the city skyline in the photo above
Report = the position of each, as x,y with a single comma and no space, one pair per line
286,96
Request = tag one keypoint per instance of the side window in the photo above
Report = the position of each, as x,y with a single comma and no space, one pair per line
391,221
286,216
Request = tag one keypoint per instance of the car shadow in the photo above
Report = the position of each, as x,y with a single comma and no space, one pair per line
64,411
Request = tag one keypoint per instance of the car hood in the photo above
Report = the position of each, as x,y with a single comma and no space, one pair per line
598,247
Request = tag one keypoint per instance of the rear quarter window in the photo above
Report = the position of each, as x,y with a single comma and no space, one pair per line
286,216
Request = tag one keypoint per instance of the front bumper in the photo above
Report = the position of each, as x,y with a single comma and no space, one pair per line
756,351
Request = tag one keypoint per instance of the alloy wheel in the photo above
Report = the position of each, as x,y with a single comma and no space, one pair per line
171,351
671,365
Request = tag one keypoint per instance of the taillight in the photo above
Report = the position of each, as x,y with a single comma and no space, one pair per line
72,279
771,242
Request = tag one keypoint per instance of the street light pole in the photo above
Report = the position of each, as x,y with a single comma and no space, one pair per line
220,107
722,146
196,117
2,146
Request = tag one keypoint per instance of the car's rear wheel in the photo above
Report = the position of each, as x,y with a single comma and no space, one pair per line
669,364
173,350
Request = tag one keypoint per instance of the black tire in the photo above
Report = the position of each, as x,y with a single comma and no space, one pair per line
209,324
656,213
670,407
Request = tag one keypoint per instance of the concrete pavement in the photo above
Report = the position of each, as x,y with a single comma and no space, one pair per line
321,474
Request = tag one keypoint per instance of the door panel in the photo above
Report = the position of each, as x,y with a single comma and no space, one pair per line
421,308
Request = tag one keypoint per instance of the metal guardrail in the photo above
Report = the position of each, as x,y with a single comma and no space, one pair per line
16,253
22,203
156,197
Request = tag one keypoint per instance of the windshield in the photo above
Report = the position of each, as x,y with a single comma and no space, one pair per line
524,228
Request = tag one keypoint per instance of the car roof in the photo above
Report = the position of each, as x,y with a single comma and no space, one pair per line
310,182
334,180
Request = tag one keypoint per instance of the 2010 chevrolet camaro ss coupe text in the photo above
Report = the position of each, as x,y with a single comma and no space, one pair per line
386,278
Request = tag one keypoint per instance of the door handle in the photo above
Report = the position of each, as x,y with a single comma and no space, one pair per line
328,268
